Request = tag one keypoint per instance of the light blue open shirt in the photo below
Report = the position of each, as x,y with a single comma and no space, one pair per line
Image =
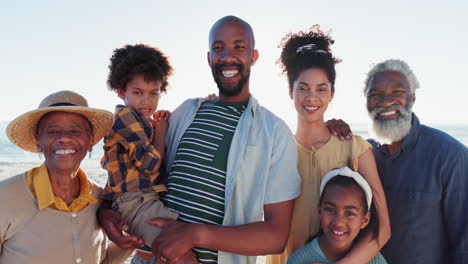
261,167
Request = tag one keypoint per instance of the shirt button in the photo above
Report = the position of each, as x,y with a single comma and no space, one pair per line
74,215
78,260
76,236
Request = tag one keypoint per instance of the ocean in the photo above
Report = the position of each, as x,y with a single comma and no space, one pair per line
14,160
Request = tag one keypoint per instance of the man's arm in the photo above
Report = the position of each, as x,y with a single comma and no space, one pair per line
259,238
454,203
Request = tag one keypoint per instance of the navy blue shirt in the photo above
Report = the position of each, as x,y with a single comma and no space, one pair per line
426,185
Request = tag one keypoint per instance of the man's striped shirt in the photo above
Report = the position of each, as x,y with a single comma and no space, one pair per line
196,189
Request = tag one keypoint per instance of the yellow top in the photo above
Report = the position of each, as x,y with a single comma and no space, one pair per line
38,182
312,166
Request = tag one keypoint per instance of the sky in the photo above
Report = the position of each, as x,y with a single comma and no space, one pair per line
47,46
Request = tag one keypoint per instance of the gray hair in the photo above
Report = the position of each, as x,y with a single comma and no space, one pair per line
392,65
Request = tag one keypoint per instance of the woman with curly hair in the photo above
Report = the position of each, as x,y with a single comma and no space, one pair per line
309,65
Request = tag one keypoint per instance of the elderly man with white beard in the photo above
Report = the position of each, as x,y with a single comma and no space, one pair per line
424,172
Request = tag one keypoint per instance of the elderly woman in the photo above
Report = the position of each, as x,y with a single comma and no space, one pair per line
48,214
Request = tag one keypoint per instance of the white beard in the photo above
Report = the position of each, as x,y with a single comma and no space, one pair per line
389,131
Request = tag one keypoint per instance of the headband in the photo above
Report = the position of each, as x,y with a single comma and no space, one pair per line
345,171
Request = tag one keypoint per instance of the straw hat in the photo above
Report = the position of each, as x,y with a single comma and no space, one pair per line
22,130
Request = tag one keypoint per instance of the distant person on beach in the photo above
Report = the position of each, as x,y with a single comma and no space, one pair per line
233,165
307,61
424,172
134,148
347,213
48,214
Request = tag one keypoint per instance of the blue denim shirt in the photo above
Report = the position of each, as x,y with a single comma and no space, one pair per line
261,167
426,185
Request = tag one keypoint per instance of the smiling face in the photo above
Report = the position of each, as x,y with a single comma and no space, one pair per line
342,216
389,103
231,56
311,94
141,95
64,138
388,89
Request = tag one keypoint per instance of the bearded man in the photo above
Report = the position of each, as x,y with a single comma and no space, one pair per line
424,172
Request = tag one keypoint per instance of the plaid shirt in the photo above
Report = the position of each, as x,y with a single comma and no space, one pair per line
129,157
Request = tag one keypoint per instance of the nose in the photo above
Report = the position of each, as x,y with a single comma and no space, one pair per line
338,220
146,100
386,100
63,136
310,95
227,55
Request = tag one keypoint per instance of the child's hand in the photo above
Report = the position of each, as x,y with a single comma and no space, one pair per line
160,121
212,97
161,115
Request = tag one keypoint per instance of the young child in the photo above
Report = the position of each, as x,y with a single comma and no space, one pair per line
346,212
134,148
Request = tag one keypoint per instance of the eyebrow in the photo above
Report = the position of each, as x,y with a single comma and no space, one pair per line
346,207
52,126
137,88
304,83
216,42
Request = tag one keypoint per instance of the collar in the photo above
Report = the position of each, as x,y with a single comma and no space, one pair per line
39,183
412,137
252,104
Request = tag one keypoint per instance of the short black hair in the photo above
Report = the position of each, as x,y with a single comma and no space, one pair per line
293,62
131,60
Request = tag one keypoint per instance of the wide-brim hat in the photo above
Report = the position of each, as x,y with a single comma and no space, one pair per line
23,129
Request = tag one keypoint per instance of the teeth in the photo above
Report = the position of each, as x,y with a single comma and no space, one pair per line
229,73
337,233
65,151
310,108
388,113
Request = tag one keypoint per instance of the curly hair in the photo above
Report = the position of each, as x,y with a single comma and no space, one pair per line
293,62
131,60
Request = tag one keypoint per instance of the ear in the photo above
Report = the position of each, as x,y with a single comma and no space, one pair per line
291,95
365,220
120,93
332,94
413,96
254,56
208,58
